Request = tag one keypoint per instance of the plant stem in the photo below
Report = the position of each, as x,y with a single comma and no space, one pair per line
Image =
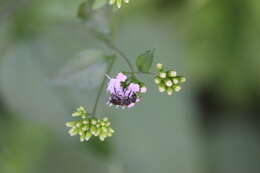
112,46
102,87
146,73
122,54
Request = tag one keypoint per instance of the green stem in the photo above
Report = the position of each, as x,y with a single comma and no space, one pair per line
112,46
102,87
146,73
122,54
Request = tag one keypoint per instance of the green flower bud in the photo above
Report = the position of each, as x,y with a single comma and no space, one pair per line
78,124
86,122
169,91
159,66
73,131
162,75
80,112
109,134
118,2
71,124
168,83
103,123
177,88
104,129
94,122
175,81
93,129
88,126
97,132
108,124
161,88
111,130
85,128
88,136
157,80
82,138
182,79
80,132
172,73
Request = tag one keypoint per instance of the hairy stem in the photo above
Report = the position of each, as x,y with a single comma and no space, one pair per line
102,87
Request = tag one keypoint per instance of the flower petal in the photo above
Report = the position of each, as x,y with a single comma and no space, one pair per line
131,105
121,77
134,87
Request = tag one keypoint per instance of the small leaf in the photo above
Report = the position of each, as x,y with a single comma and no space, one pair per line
84,10
85,71
145,61
98,4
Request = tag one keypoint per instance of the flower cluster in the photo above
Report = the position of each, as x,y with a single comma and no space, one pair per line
117,2
168,81
86,127
124,91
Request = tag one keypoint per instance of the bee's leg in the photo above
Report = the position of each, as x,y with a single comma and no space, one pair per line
108,102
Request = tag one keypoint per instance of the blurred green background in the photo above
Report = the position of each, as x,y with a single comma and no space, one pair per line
212,126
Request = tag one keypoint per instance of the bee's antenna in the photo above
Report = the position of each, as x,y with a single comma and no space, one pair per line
108,76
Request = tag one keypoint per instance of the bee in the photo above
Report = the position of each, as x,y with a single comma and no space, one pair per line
123,100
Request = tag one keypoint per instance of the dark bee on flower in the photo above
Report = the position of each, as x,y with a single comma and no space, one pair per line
123,100
123,96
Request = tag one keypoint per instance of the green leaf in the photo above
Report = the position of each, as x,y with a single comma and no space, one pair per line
84,10
145,61
85,71
98,4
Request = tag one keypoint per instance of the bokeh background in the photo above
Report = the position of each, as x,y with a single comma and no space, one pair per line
212,126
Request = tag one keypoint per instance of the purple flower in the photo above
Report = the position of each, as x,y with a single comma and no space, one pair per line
122,96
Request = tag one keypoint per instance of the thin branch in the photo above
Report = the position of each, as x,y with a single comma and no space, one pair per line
122,54
102,87
146,73
112,46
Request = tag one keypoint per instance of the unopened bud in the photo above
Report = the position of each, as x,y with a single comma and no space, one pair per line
157,80
168,83
159,66
175,81
182,79
163,75
169,91
161,89
177,88
172,73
